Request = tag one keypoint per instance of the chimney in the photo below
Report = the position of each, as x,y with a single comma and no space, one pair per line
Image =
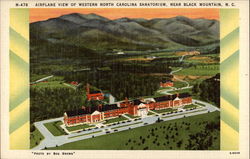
87,88
89,109
126,100
100,107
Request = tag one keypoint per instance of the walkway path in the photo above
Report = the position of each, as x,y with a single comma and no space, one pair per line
42,79
126,116
153,112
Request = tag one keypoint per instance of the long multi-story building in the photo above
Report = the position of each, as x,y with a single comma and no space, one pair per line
137,107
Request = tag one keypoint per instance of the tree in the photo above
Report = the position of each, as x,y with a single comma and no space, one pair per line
32,128
195,89
179,143
145,148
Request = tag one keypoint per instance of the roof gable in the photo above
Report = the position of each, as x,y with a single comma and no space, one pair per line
96,113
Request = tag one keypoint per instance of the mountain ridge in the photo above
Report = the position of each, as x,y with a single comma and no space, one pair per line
126,33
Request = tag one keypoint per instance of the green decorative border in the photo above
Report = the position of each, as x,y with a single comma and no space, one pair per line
229,68
19,79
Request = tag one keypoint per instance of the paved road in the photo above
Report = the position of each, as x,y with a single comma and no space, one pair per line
52,141
166,91
42,79
187,84
74,87
181,59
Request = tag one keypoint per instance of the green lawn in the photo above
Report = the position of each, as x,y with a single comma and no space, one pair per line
207,70
164,88
51,84
54,128
201,59
35,77
174,134
109,121
164,110
150,113
132,116
178,84
185,113
200,104
188,90
190,106
35,138
78,127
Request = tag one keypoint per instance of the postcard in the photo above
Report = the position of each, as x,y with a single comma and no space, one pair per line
124,79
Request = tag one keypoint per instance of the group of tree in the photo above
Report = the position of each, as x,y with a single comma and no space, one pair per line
119,84
181,135
140,67
209,90
48,102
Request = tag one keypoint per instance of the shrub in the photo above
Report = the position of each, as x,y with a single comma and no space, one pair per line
32,128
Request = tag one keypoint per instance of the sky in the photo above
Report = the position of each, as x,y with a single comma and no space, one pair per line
40,14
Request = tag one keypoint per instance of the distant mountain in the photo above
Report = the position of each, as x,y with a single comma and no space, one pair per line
95,33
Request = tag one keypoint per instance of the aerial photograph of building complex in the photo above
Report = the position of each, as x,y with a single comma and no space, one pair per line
120,79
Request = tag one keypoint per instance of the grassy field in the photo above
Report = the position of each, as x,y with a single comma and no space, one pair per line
164,110
188,90
54,128
208,58
150,113
200,110
78,127
131,116
190,106
35,77
51,84
115,120
178,84
35,138
174,134
200,70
